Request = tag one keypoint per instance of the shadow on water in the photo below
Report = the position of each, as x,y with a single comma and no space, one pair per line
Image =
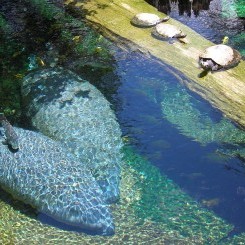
45,219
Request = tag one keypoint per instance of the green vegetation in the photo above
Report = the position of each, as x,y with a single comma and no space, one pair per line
51,37
162,201
11,66
240,8
75,38
177,108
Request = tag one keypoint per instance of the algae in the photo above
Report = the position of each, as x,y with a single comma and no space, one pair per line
152,209
177,108
10,68
240,8
51,37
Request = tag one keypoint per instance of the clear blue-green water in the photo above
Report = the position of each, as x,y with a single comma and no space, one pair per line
194,159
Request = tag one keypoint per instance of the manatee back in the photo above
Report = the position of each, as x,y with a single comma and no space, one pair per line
70,109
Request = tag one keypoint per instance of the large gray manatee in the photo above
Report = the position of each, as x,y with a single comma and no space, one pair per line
44,174
65,107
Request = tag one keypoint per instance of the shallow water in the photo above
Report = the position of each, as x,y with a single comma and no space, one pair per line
196,164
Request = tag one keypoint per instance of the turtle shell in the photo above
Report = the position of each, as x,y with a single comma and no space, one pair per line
167,30
221,54
145,19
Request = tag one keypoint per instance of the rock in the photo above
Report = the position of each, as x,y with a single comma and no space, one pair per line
45,175
70,109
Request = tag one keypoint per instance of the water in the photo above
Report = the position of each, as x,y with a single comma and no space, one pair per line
179,133
213,179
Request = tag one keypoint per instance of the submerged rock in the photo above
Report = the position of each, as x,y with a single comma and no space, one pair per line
70,109
45,175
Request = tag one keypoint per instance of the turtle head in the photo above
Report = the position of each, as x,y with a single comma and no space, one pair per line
225,40
206,64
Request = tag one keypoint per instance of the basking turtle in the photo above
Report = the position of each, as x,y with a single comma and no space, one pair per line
167,31
147,20
217,57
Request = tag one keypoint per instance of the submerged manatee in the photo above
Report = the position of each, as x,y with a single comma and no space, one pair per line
70,109
44,174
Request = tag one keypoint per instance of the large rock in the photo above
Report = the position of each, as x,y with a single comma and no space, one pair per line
67,108
44,174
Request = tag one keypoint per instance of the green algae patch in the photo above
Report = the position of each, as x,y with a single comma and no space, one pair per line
152,209
224,89
177,108
236,240
163,202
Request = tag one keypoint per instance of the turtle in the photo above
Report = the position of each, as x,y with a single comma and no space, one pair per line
218,57
168,31
147,20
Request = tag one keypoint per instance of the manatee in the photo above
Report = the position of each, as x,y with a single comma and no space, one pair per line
45,175
65,107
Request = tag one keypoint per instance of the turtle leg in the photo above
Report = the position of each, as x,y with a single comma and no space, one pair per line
163,19
203,73
215,67
181,38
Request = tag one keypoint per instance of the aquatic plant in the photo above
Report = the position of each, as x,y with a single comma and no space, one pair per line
46,23
88,42
4,27
177,107
240,8
46,9
161,200
238,41
11,60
